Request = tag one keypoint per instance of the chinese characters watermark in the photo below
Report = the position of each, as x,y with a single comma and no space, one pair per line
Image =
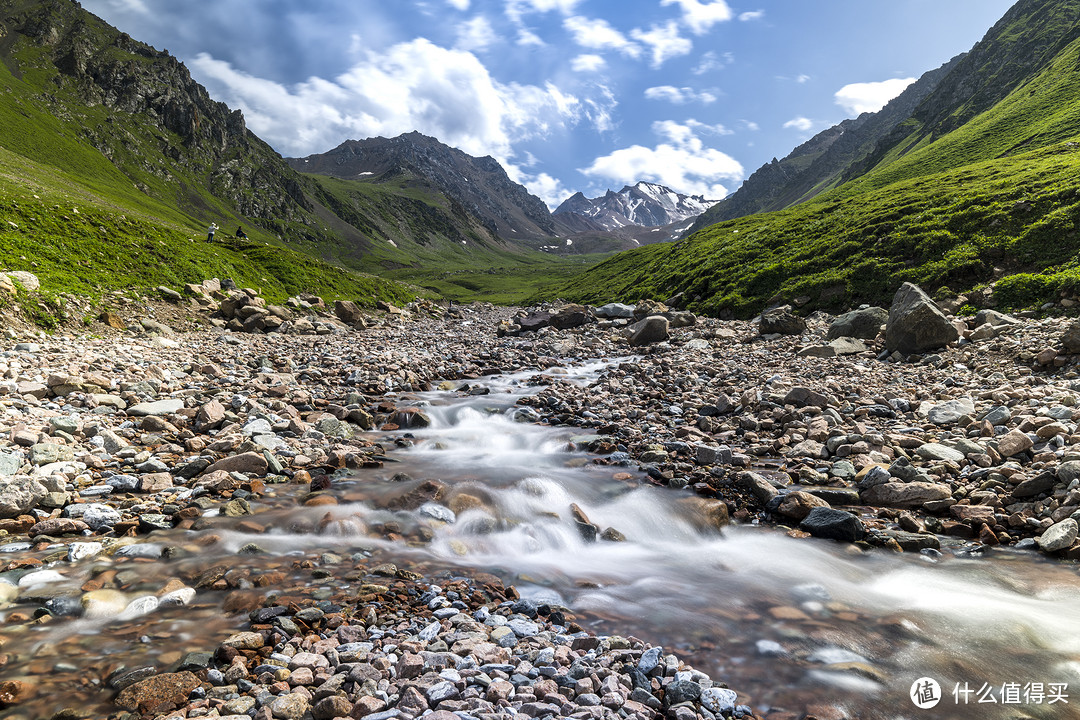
926,693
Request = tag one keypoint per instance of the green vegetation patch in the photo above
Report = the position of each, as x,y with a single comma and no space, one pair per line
1018,214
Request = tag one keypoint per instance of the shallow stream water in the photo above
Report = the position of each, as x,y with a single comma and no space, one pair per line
792,624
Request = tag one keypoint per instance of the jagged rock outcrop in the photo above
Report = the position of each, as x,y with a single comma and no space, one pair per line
480,185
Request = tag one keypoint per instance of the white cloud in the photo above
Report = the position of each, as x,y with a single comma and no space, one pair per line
476,34
665,42
683,163
587,63
679,96
528,37
544,186
751,125
701,16
462,5
599,110
598,34
415,85
516,8
751,15
801,124
135,6
711,62
802,79
858,98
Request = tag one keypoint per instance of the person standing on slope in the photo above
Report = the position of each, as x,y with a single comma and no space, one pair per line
210,232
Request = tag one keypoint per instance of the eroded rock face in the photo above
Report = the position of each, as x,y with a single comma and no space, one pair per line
916,324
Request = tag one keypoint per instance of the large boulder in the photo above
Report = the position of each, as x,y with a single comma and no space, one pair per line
615,310
1070,339
781,321
534,321
348,312
652,329
864,324
916,324
648,307
571,316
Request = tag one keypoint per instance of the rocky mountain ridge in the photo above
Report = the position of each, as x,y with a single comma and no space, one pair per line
112,75
480,185
644,204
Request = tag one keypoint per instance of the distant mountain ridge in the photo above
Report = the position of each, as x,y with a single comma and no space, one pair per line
644,204
480,185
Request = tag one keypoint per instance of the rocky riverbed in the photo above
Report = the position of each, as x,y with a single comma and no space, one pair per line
147,444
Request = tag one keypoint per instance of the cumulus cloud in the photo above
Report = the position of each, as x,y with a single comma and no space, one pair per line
801,124
515,9
476,34
549,189
701,16
462,5
411,86
858,98
751,15
665,42
682,163
528,37
587,63
598,34
679,96
802,79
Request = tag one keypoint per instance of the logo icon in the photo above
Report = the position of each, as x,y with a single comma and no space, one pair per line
925,693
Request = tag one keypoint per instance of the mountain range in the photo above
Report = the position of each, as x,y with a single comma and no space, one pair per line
644,205
966,181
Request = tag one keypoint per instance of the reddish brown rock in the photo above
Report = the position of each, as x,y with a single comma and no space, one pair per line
159,694
14,692
58,526
250,462
798,504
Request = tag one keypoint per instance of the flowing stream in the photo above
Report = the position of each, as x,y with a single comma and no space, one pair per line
790,624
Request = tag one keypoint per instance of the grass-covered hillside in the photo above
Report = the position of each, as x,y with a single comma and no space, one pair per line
949,209
113,161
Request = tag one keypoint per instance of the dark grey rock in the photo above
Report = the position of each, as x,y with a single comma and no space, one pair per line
781,321
863,324
916,324
833,524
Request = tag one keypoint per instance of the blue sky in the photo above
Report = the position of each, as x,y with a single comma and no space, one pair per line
568,94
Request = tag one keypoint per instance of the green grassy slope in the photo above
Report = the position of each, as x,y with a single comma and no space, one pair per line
76,240
1000,191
